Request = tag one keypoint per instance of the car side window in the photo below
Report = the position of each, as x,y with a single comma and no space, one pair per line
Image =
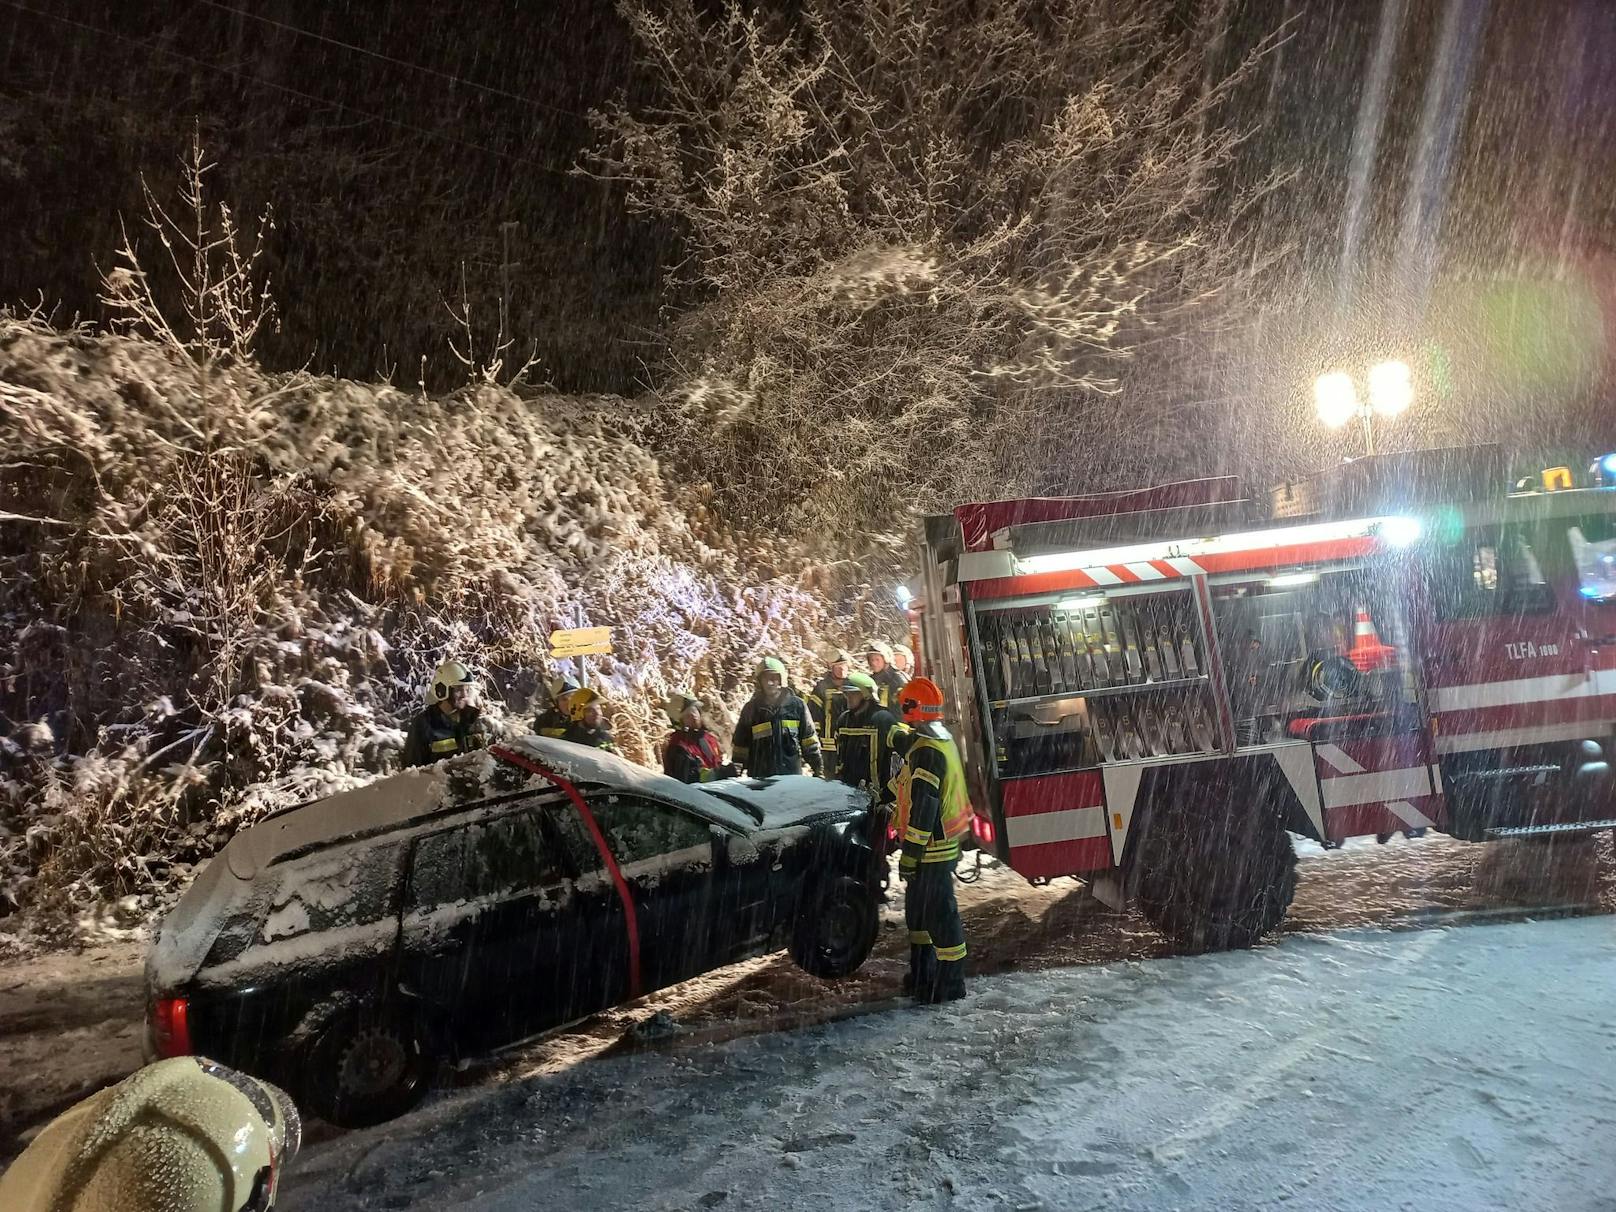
637,829
488,858
1491,571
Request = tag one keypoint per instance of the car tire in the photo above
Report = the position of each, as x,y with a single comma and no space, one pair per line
365,1067
837,921
1213,877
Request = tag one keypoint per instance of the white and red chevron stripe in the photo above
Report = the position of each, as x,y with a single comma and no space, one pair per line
1055,825
1378,785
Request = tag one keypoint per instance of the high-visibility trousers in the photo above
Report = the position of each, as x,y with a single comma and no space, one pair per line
932,914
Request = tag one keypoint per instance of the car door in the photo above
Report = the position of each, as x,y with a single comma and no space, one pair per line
490,927
665,856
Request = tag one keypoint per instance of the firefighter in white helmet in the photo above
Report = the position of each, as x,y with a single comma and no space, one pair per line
183,1135
888,681
452,720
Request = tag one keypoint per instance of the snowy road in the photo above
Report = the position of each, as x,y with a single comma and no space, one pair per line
1455,1067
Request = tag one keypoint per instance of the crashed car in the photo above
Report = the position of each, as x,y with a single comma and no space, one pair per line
344,947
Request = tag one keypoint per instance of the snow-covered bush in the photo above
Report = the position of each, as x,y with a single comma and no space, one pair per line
197,628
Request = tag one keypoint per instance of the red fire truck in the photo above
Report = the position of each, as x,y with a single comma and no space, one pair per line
1154,689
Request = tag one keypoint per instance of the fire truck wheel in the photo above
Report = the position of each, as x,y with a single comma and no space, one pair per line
1212,880
836,926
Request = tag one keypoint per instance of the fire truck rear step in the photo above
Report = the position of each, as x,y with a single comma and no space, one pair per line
1567,829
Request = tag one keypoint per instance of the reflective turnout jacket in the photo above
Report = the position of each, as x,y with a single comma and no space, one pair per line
551,722
934,807
827,704
433,736
866,741
887,684
598,737
775,740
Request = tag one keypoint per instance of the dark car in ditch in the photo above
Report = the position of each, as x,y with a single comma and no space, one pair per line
344,947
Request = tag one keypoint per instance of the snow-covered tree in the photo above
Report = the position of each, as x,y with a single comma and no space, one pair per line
925,235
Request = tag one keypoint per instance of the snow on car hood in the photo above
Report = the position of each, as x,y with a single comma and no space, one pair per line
790,800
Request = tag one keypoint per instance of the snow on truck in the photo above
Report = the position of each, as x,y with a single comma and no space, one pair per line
1153,689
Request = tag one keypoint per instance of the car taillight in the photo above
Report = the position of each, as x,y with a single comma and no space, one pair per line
171,1027
983,828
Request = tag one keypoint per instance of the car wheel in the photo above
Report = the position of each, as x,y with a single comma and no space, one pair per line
836,926
1212,877
365,1067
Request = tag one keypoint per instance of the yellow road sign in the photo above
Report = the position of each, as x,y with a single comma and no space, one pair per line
581,641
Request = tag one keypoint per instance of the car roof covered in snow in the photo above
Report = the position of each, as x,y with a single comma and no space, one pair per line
465,780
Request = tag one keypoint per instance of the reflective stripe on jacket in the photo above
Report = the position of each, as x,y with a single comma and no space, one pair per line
934,808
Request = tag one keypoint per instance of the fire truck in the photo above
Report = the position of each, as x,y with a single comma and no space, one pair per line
1154,690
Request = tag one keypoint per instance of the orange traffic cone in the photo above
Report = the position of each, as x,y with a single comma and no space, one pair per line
1367,652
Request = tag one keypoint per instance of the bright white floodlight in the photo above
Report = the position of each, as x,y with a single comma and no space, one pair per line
1391,388
1336,398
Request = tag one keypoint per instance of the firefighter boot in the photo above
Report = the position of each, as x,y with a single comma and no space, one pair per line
949,985
922,972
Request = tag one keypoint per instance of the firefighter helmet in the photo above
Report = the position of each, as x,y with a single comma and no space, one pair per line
560,686
920,701
446,678
859,682
677,703
181,1134
770,665
906,652
838,656
577,701
881,648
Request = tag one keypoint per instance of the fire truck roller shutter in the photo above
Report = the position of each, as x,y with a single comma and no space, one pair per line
1208,856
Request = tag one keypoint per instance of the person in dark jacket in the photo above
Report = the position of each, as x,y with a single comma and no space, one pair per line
552,721
826,704
451,722
588,725
774,734
868,737
888,681
691,753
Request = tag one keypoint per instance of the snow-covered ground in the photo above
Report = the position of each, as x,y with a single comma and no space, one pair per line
1456,1067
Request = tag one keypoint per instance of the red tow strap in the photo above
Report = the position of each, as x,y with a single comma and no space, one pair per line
629,915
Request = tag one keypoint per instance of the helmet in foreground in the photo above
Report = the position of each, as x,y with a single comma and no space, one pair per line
920,701
183,1135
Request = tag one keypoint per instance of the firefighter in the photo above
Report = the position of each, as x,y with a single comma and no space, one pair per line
888,681
451,722
826,704
552,721
933,812
774,734
691,753
586,723
903,659
182,1135
867,737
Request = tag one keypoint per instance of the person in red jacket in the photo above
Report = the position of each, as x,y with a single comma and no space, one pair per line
692,753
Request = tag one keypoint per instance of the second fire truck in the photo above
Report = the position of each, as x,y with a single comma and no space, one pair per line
1154,690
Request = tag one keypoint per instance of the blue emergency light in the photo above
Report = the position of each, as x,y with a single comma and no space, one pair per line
1603,471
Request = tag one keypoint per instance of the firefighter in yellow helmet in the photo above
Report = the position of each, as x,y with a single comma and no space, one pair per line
183,1135
552,721
933,812
588,723
868,737
452,720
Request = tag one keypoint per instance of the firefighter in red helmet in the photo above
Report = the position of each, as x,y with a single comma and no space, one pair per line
933,813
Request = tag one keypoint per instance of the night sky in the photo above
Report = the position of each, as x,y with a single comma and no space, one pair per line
397,140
